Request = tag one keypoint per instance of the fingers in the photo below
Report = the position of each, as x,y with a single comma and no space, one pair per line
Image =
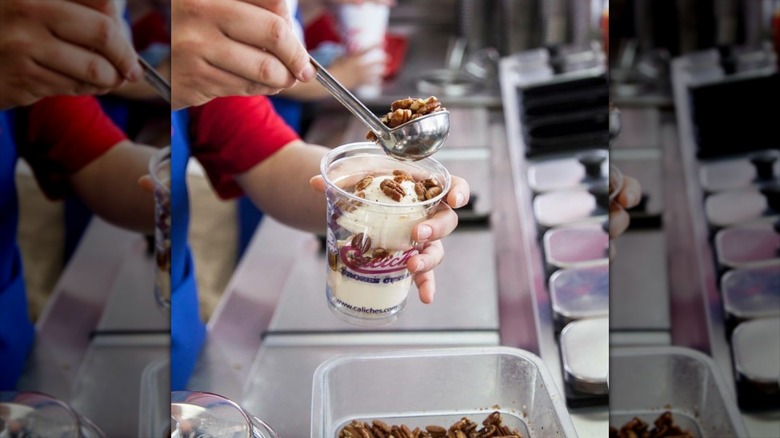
459,192
241,24
631,193
440,225
79,64
252,65
430,257
85,27
146,184
318,183
618,221
426,286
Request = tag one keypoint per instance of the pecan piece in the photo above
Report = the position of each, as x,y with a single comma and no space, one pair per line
399,117
363,183
401,176
432,192
402,104
419,188
392,189
380,253
361,242
436,431
430,182
379,423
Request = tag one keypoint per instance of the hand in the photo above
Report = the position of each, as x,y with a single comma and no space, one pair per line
359,69
629,197
429,233
62,47
233,48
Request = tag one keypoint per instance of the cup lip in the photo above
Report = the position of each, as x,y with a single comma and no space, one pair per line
158,157
327,158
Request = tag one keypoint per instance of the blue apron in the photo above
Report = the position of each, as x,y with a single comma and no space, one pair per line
16,329
188,332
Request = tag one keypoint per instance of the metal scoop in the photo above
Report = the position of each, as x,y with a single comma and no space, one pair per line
413,140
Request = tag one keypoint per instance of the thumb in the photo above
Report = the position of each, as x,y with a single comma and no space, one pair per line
146,183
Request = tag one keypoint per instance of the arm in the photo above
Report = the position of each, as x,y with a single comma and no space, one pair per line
109,186
279,186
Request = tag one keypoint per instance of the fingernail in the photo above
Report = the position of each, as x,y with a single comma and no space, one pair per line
424,232
630,197
135,73
307,73
420,266
459,200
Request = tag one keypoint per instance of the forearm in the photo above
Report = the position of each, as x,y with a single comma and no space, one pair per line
109,187
279,186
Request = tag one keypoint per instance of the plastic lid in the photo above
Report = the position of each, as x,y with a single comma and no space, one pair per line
733,207
579,293
756,346
585,354
752,292
576,246
743,246
566,207
553,175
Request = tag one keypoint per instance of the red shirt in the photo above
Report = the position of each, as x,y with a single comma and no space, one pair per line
230,135
61,135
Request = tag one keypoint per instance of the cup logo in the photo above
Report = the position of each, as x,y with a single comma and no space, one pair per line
355,260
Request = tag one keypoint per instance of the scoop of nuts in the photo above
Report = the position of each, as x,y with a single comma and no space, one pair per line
404,110
493,427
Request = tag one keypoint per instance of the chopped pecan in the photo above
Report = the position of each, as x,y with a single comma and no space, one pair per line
363,183
404,110
380,253
419,188
399,117
430,182
392,189
361,242
402,104
379,423
401,176
432,192
436,431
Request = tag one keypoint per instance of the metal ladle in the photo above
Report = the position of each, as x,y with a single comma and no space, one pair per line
413,140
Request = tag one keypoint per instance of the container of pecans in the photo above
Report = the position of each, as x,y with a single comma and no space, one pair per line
479,391
648,382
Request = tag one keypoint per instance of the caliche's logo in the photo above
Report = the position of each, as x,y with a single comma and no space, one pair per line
365,264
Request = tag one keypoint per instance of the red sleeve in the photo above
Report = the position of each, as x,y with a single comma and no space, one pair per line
230,135
61,136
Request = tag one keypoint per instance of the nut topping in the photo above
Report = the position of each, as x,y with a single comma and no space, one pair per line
363,183
432,192
392,189
464,428
361,242
404,110
380,253
401,176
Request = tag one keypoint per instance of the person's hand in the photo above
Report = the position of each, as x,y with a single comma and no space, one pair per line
629,197
62,47
429,233
233,48
359,69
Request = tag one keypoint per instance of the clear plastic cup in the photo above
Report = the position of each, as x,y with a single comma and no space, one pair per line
204,414
160,171
369,242
363,27
35,414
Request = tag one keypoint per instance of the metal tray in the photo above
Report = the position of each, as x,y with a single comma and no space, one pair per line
439,386
646,381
